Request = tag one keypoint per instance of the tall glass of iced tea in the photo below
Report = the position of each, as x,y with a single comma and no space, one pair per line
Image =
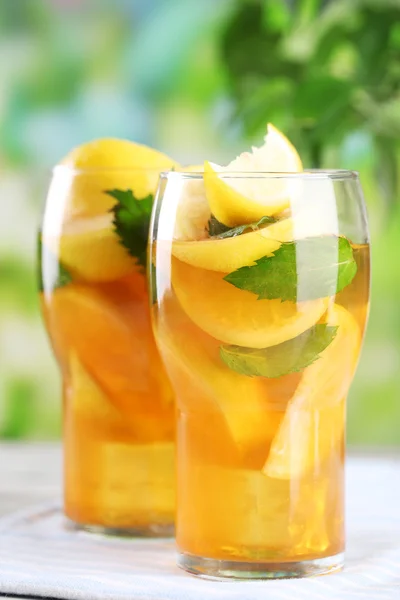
261,286
118,405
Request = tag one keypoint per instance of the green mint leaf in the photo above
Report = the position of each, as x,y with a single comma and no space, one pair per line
215,227
64,276
289,357
306,269
131,222
245,228
221,231
51,274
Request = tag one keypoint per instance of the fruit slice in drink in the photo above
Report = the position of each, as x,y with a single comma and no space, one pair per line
111,345
236,316
204,385
313,425
228,254
101,165
86,401
91,250
247,197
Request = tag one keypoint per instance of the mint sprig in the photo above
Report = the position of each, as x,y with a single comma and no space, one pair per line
289,357
307,269
218,230
246,228
131,222
215,227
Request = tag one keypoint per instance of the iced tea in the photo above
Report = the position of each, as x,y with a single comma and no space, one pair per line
118,403
260,327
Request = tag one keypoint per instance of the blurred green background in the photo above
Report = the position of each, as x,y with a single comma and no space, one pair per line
197,79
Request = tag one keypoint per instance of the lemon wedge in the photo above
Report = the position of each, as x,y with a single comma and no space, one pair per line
106,164
90,249
313,425
248,195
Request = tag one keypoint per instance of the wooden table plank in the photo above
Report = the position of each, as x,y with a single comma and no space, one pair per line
32,473
29,473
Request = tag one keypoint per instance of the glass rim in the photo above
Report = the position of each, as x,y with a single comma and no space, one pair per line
105,169
335,174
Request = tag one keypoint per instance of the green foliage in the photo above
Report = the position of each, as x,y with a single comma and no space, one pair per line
289,357
320,69
75,71
20,408
18,286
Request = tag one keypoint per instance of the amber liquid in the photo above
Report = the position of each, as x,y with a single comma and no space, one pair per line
260,460
118,405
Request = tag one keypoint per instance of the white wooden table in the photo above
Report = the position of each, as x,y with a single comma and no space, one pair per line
29,473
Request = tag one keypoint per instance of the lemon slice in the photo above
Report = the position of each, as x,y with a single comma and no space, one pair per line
249,195
91,250
116,345
203,382
236,316
313,425
101,165
89,401
229,254
313,212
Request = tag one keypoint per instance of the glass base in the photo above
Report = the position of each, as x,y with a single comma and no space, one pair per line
210,568
164,530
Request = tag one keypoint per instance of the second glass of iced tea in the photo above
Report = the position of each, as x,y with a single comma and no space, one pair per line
118,404
260,325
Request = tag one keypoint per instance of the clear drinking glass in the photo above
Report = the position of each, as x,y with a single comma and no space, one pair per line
118,403
260,328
